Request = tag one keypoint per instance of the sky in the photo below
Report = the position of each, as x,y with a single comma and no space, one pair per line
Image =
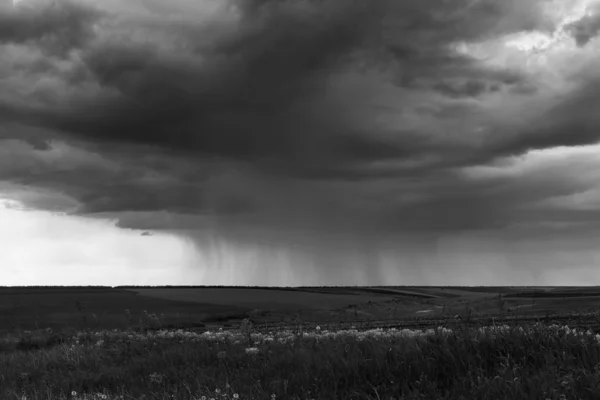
299,142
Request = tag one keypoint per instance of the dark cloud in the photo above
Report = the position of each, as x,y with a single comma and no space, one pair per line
421,39
586,28
259,90
39,144
55,28
240,103
306,115
452,74
570,121
471,88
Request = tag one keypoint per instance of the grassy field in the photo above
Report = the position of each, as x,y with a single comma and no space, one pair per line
109,343
57,308
103,307
261,298
496,363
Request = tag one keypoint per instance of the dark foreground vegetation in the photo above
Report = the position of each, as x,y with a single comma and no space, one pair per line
101,343
537,362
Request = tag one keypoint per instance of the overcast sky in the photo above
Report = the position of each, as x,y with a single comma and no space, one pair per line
300,142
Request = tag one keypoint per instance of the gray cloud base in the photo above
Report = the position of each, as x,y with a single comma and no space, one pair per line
299,116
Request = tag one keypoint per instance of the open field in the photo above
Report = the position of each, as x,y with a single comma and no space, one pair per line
121,341
263,299
498,362
103,307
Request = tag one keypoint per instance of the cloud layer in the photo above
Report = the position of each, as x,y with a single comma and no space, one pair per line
303,118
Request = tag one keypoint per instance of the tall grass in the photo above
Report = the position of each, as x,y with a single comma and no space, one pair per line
536,362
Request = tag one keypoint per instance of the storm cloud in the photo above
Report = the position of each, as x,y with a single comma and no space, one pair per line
303,122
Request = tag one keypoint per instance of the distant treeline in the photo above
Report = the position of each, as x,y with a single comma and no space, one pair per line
53,287
31,290
523,290
552,294
205,287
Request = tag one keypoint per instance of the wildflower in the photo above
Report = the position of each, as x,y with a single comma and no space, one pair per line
251,350
246,326
217,390
156,377
73,393
236,396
